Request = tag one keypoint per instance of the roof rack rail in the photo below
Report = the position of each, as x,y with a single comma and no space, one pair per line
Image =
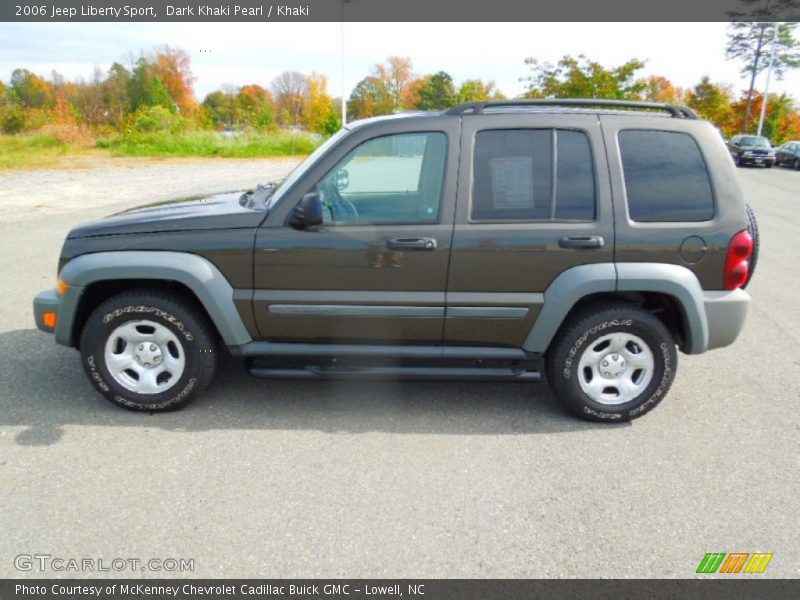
477,108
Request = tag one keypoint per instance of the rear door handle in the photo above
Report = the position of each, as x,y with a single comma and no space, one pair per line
582,241
412,244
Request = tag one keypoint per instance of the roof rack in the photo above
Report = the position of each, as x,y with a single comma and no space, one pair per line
477,108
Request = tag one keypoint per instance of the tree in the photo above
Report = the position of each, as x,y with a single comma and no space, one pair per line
660,89
749,42
34,91
63,111
88,99
370,98
172,67
290,89
12,117
437,92
477,90
713,101
221,108
319,114
115,93
396,76
147,89
781,122
410,98
255,107
582,78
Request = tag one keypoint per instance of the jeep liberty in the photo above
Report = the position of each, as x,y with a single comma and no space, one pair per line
584,242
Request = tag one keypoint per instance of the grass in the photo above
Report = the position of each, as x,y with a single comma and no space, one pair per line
44,150
211,144
25,151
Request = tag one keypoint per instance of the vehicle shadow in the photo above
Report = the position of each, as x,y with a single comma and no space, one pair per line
43,388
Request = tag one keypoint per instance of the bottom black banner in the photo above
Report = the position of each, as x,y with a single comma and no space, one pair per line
383,589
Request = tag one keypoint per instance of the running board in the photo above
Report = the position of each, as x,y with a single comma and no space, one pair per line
418,373
279,349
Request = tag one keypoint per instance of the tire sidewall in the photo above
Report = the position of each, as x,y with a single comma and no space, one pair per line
664,355
100,327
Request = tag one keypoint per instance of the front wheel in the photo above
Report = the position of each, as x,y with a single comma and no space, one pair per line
147,350
796,164
612,363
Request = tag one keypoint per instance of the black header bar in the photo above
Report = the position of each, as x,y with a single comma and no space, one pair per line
400,10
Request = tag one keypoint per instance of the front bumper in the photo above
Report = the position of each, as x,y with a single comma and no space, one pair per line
757,160
725,316
42,303
65,306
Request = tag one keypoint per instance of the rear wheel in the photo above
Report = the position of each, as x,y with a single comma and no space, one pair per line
146,350
613,362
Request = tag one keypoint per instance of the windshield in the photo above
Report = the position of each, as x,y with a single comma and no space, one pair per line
761,142
298,171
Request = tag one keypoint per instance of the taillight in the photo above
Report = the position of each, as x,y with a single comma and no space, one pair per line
737,268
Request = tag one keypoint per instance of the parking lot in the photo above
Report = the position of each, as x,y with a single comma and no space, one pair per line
391,479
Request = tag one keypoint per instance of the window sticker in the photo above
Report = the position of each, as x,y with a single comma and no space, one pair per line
512,182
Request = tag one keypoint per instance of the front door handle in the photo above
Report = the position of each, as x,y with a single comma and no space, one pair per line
411,244
582,241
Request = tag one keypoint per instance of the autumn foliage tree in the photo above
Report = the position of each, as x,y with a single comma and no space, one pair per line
172,68
370,98
749,43
477,90
319,114
660,89
714,102
579,77
290,89
437,92
396,74
154,92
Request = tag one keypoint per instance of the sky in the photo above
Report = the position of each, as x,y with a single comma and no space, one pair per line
244,53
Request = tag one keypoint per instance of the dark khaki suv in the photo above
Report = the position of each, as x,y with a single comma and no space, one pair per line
583,240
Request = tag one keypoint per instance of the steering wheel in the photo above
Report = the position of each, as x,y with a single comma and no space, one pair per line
340,208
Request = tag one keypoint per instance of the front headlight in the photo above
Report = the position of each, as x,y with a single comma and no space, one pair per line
748,153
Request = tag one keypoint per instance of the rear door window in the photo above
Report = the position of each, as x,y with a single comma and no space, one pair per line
666,179
532,175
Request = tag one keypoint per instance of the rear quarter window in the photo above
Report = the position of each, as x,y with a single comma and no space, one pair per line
666,179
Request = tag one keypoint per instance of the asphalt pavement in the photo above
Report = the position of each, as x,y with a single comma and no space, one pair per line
404,479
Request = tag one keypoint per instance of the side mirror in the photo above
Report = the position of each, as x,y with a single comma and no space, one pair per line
342,179
308,213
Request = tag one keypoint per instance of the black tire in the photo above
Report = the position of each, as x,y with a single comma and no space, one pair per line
752,229
769,165
188,325
796,164
738,161
590,325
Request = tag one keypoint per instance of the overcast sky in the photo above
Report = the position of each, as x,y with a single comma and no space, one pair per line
243,53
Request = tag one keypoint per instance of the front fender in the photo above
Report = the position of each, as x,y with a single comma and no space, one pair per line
205,280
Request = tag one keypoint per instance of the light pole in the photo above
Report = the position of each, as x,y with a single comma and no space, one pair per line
769,74
344,88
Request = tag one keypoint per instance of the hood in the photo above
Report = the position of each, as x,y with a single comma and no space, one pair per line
217,211
748,148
